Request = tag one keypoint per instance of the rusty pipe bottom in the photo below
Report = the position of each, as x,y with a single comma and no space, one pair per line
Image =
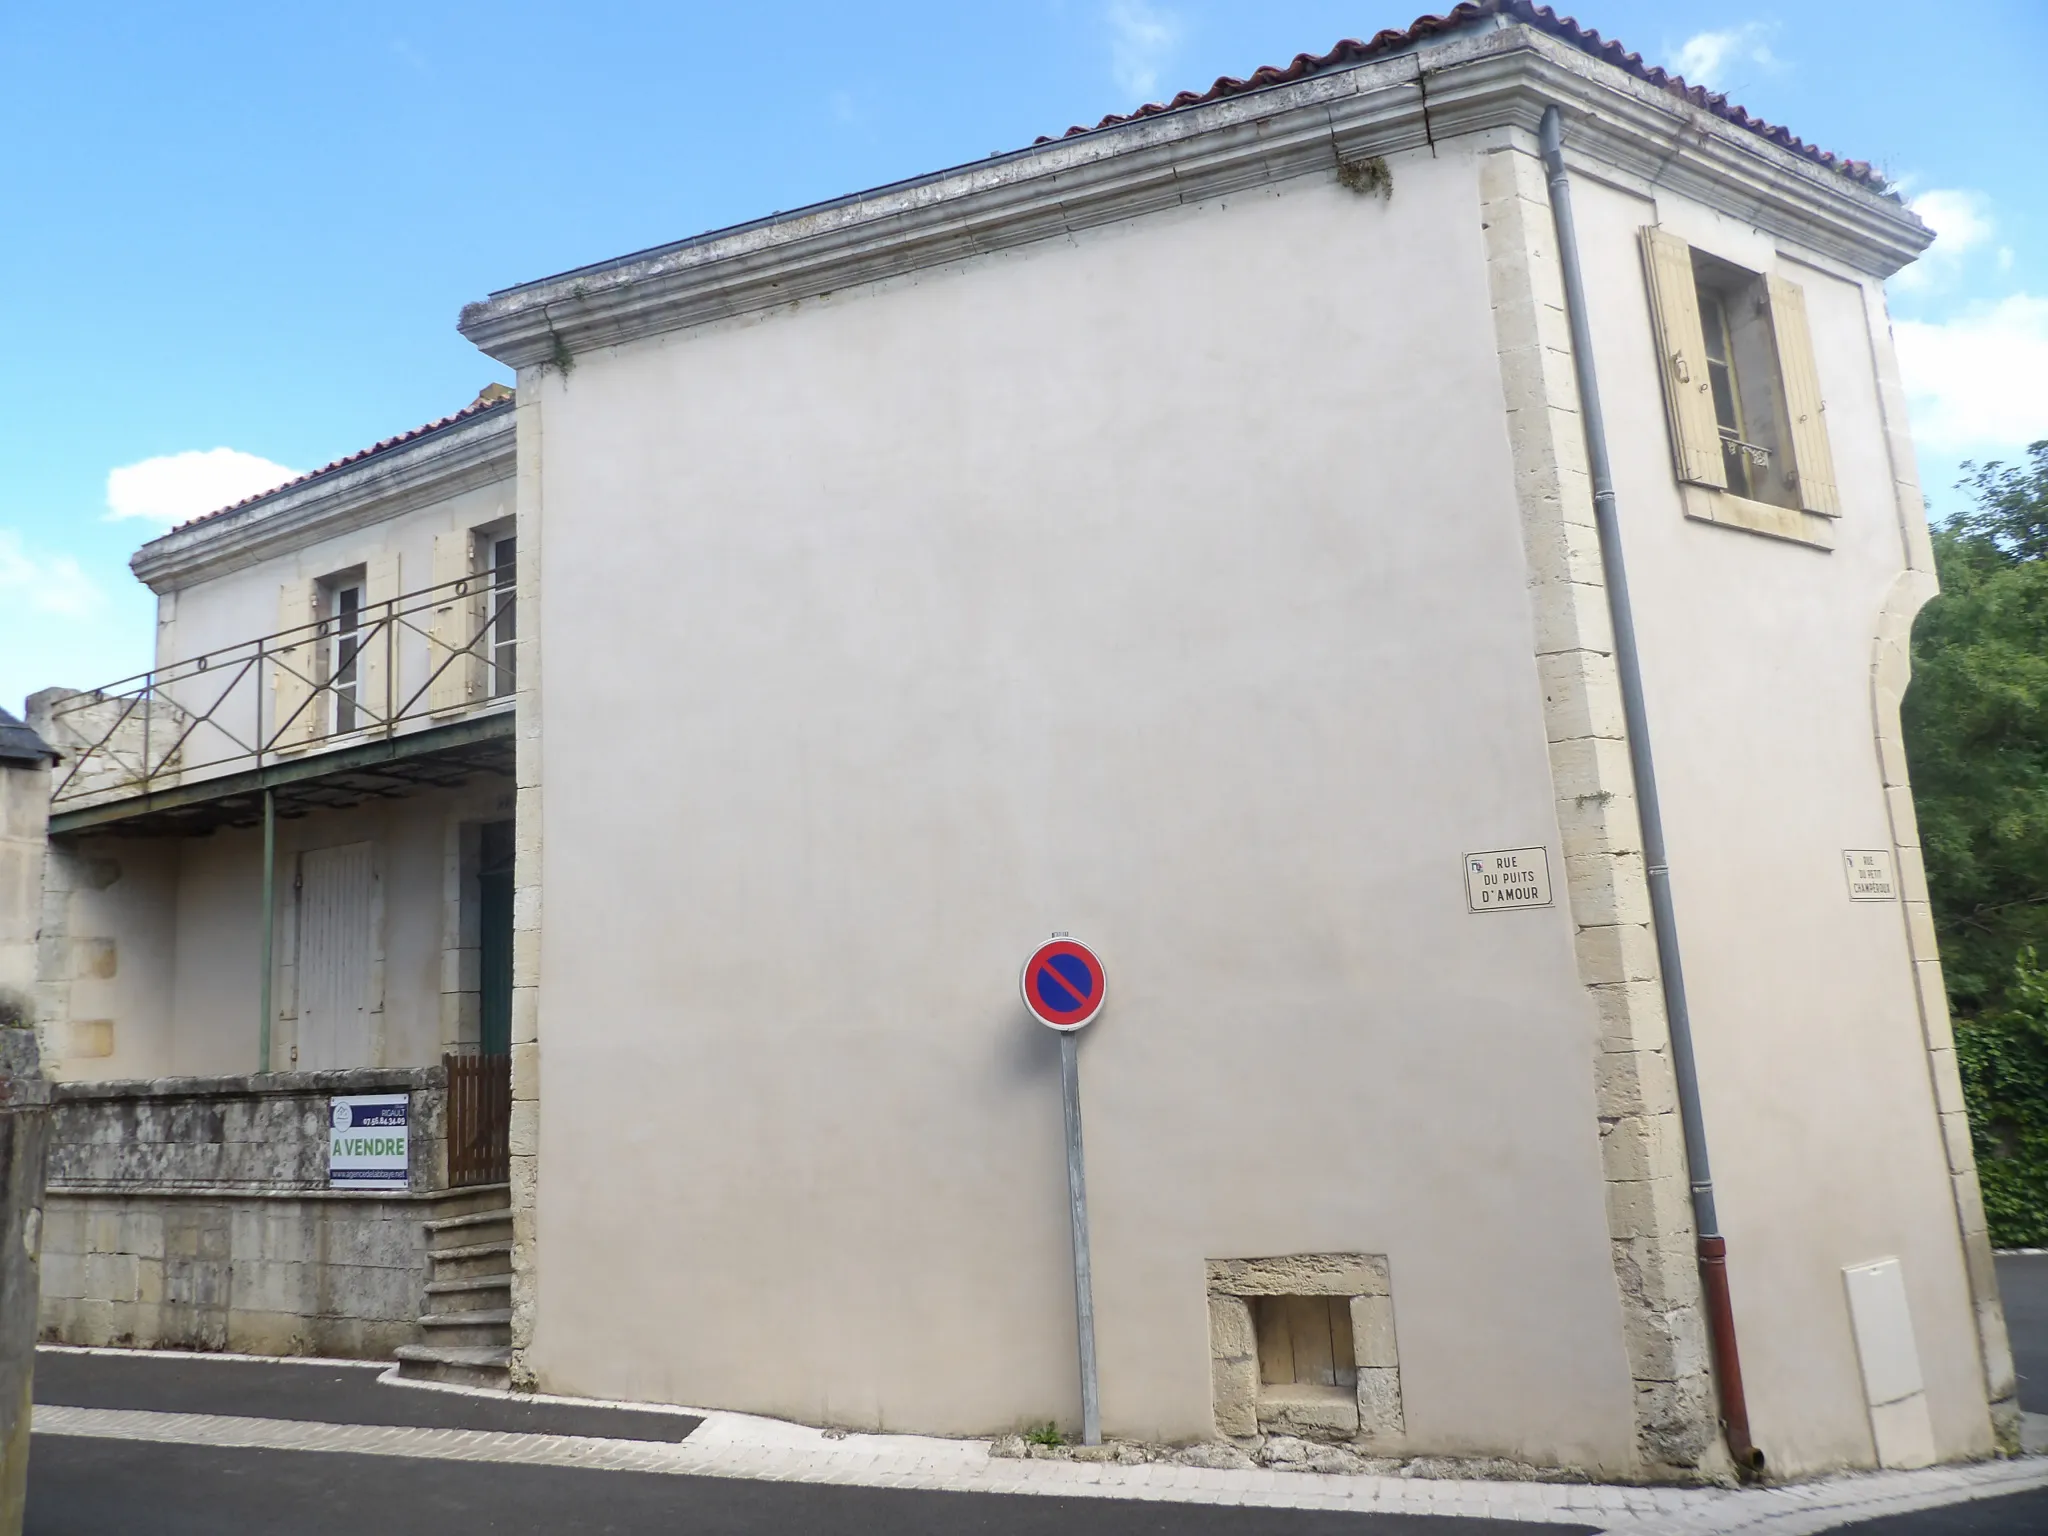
1713,1254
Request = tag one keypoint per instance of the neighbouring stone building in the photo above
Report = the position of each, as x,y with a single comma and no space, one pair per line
1194,532
279,874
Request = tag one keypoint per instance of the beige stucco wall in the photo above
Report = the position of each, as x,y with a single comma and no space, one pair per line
241,604
1757,657
165,936
111,957
1163,584
24,819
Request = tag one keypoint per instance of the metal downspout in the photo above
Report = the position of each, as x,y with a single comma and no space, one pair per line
269,924
1713,1248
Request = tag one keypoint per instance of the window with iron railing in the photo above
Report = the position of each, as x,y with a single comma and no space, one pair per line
1742,389
359,667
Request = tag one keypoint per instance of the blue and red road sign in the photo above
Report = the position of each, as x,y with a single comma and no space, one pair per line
1063,984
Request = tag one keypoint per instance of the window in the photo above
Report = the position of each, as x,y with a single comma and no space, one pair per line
1742,379
344,641
504,623
1743,393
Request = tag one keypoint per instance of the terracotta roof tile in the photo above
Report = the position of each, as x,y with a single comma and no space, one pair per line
1543,18
484,403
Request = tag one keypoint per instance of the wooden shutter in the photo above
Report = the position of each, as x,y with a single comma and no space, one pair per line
452,627
374,698
1813,462
1682,358
335,920
295,718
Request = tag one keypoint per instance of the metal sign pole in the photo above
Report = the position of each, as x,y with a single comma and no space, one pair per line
1077,1202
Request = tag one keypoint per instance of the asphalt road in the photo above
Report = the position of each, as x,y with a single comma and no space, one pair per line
321,1394
2023,1282
80,1487
2018,1514
93,1487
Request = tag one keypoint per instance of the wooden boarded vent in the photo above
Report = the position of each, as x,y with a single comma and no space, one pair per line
1304,1341
1303,1344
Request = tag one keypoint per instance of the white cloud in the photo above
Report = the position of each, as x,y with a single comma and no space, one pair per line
1141,38
176,486
1960,218
1978,383
1961,221
1709,58
53,585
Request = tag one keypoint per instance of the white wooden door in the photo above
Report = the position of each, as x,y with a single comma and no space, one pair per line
334,958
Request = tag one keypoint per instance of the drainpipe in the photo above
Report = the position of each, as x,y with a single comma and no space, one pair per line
1713,1248
269,925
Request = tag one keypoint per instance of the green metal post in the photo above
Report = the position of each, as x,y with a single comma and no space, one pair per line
269,922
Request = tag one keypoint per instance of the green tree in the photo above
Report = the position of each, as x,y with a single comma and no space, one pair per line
2003,1053
1976,723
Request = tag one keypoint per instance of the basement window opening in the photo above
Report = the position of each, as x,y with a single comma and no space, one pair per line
1305,1349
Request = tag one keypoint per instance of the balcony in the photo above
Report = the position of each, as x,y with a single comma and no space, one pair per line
382,700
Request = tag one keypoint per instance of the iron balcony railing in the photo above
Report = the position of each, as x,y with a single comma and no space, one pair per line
393,665
1735,449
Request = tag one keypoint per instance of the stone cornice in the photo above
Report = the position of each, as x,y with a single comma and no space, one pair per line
465,455
1497,76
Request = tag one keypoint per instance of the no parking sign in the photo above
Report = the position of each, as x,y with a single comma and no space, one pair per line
1064,987
1063,984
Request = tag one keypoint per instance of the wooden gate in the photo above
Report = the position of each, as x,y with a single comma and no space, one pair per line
479,1119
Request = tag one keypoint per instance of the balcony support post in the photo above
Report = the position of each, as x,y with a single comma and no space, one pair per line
269,924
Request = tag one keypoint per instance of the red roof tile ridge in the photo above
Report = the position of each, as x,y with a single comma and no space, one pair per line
476,407
1542,17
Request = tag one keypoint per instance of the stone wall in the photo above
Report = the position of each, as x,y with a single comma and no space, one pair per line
24,826
265,1132
112,746
194,1213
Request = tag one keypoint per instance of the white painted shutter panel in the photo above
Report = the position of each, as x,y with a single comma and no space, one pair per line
1682,354
374,697
452,627
1813,462
295,718
334,958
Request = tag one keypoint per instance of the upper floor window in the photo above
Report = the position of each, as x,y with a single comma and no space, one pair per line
504,622
344,631
1742,389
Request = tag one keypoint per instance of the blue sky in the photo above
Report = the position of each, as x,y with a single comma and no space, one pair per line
238,234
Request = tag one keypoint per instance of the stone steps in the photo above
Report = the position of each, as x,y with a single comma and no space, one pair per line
477,1293
466,1320
456,1365
481,1329
472,1260
465,1231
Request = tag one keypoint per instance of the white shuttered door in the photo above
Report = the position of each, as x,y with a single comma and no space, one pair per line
334,958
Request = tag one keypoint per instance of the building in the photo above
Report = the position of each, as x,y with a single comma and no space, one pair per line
280,870
1184,533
